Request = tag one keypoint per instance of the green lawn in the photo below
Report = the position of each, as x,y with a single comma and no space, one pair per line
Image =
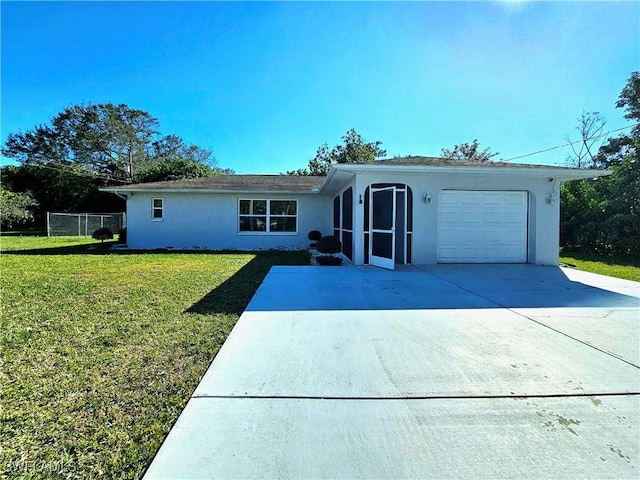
620,267
101,350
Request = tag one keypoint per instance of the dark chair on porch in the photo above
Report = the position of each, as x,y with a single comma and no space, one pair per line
314,236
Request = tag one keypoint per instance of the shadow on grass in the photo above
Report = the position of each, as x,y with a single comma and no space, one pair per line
108,248
86,249
26,232
630,261
234,294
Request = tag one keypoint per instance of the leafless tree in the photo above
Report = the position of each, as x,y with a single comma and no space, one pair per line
591,128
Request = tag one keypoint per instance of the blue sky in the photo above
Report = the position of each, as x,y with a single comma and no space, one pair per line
264,84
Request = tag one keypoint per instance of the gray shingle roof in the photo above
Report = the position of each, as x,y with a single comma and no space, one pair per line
439,162
235,183
307,185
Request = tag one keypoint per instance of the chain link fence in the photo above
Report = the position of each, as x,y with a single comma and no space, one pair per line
83,224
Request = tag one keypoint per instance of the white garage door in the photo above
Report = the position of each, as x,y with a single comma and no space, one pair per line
482,226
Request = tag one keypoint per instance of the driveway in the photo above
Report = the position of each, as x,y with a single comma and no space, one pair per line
483,371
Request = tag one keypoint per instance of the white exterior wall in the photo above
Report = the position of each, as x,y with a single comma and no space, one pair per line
206,220
543,223
210,221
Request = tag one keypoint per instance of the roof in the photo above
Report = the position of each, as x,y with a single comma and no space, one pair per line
417,161
341,173
230,183
416,165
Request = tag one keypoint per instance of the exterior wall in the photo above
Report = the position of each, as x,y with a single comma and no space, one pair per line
543,222
205,220
210,221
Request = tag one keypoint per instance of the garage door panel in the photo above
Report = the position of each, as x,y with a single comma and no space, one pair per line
515,199
491,236
469,218
491,199
495,218
469,198
516,218
482,226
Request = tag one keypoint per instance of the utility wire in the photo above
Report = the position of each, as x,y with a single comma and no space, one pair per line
570,143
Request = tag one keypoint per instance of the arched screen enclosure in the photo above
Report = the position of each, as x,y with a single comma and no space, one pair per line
388,224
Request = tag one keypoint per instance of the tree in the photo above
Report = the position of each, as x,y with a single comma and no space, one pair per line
353,150
86,147
629,99
102,234
172,147
591,127
175,169
16,208
469,152
603,216
60,188
107,139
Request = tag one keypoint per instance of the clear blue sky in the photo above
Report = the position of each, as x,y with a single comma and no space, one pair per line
264,84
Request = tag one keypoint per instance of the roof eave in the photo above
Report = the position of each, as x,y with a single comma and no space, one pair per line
206,190
554,172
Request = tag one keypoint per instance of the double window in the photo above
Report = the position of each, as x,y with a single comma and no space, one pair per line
157,209
268,216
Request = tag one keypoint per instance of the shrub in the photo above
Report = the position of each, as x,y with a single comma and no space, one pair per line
103,234
330,245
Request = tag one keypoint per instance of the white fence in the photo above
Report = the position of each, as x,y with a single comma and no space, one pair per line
83,224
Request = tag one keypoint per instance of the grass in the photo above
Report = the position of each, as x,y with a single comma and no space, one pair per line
101,350
620,267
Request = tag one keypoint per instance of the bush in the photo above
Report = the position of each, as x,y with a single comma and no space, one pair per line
330,245
102,234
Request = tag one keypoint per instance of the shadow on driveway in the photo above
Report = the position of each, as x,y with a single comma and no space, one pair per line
233,295
436,287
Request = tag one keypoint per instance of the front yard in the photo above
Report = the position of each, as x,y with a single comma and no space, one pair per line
101,350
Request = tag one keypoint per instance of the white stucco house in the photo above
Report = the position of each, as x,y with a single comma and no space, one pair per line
413,210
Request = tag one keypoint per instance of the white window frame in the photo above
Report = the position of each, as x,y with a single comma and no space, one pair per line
154,208
268,216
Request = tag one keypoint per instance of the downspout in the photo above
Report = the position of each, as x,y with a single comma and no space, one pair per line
124,215
124,197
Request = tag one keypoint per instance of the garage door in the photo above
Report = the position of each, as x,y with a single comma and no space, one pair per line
482,226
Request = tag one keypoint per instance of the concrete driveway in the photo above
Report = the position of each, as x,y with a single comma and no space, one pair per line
483,371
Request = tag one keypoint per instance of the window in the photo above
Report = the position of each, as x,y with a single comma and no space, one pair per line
157,209
268,216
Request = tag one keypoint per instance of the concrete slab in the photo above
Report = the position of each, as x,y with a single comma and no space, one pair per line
612,284
408,353
615,331
358,288
447,371
561,438
532,286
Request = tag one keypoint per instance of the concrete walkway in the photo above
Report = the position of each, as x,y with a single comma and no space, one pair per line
483,371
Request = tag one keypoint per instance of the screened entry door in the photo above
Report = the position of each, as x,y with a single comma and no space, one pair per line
382,232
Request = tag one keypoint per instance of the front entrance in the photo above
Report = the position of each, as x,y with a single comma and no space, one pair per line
388,225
